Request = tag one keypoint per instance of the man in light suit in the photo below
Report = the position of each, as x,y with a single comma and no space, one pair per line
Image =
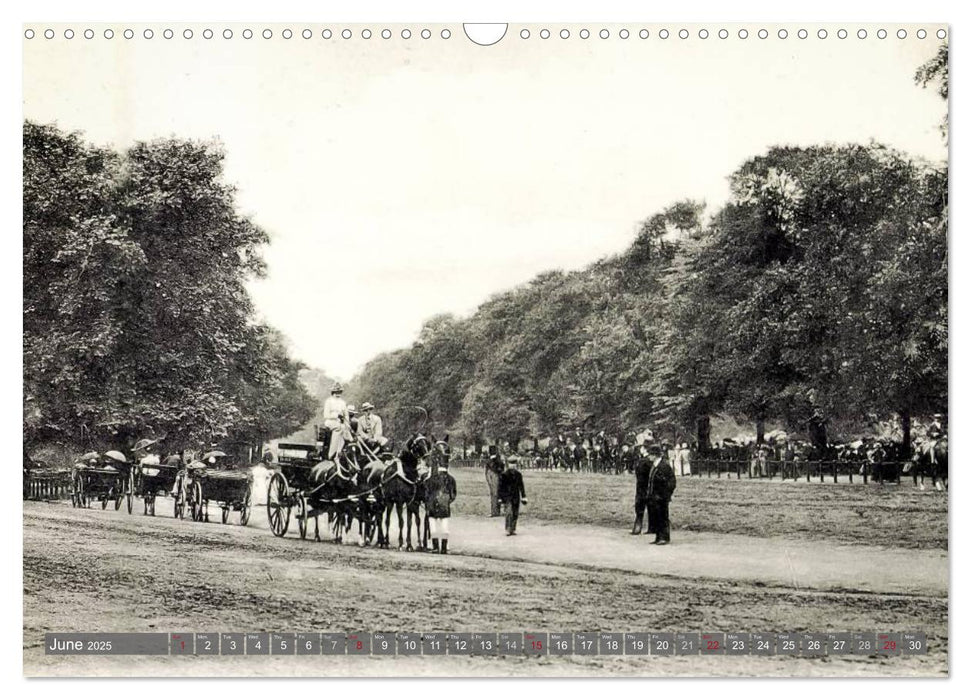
369,427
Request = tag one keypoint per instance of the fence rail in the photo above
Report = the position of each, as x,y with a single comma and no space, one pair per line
812,470
47,485
793,470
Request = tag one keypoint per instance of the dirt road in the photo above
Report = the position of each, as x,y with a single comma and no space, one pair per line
105,571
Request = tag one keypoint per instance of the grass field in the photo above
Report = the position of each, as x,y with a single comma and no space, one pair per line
887,515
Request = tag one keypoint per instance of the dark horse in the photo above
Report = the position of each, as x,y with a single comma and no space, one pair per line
579,457
399,486
369,502
931,458
334,483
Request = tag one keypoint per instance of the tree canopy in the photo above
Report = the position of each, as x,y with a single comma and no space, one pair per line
136,315
817,292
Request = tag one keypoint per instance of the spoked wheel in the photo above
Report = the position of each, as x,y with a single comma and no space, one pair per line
278,504
130,492
195,502
180,497
244,509
225,514
302,516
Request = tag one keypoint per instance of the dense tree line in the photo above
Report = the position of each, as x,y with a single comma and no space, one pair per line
816,294
136,318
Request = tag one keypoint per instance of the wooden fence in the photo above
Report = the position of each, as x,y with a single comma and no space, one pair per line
813,470
821,471
48,485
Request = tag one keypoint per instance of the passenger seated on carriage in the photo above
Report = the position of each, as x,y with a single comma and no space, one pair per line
115,460
89,459
337,421
142,454
370,429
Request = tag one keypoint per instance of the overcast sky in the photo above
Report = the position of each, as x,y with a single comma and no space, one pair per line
403,178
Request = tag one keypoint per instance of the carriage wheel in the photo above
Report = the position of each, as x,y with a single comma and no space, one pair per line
130,492
180,497
278,504
225,514
302,516
244,509
196,501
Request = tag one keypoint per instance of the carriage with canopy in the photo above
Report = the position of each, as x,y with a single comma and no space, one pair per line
105,478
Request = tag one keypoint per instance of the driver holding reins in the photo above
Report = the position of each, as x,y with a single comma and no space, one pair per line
369,427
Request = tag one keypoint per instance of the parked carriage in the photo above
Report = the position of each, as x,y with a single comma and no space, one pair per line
106,480
152,480
230,488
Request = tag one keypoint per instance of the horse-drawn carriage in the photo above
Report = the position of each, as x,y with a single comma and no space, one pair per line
212,479
303,482
230,488
102,478
164,478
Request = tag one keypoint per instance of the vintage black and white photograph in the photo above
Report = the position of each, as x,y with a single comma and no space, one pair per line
589,350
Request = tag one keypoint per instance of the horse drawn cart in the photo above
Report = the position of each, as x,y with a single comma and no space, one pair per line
152,480
106,479
302,482
231,488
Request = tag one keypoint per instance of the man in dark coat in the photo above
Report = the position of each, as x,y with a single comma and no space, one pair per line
661,483
642,472
493,470
441,491
512,492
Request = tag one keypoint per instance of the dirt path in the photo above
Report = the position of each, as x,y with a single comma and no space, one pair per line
99,570
797,563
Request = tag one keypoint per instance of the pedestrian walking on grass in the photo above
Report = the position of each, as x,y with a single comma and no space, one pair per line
512,492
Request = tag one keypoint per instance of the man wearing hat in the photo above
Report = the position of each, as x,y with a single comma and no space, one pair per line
642,473
512,492
661,483
336,419
493,470
369,427
441,491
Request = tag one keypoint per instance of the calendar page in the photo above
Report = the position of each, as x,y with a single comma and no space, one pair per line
583,349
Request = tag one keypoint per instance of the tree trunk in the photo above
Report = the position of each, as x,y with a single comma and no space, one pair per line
817,435
760,431
704,434
905,433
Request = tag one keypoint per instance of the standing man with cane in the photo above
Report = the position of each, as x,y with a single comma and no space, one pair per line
493,469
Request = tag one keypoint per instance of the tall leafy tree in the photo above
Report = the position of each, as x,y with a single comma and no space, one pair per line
136,317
